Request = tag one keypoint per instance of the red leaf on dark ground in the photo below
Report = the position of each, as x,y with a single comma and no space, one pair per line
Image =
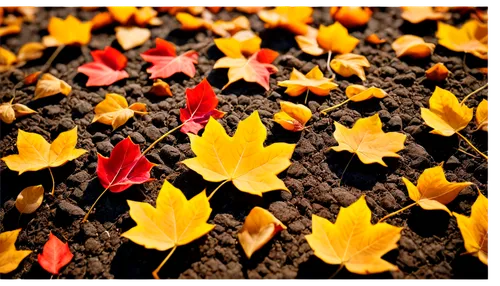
107,67
55,255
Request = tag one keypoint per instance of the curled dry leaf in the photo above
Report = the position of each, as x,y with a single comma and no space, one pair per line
131,37
10,257
191,23
29,199
374,39
30,51
437,72
313,81
55,255
294,19
472,38
49,85
334,38
433,191
348,65
474,229
160,88
228,28
352,17
242,158
243,43
107,68
70,31
367,140
114,110
259,227
292,116
446,115
353,240
482,115
102,20
417,14
357,93
412,46
9,112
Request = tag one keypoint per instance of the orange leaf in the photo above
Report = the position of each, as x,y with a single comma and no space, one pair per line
294,19
191,23
437,72
131,37
9,30
7,59
102,20
292,116
359,93
419,14
352,17
160,88
412,46
32,78
70,31
374,39
144,15
350,64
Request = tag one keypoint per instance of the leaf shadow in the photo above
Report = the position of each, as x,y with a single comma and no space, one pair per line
418,221
278,39
466,266
439,147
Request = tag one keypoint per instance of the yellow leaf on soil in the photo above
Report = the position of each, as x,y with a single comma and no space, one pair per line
359,93
437,72
313,81
30,199
9,256
350,64
7,59
412,46
70,31
131,37
472,38
417,14
9,112
160,88
49,85
114,110
336,38
482,115
294,19
30,51
292,116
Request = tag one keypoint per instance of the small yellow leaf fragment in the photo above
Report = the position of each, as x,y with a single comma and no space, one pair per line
259,227
292,116
412,46
30,51
437,72
313,81
472,38
49,85
114,110
30,199
374,39
9,256
482,115
359,93
160,88
131,37
7,59
350,64
9,30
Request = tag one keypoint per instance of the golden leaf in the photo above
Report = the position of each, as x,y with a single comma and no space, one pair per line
292,116
412,46
336,38
9,256
374,39
7,59
482,115
30,51
417,14
30,199
9,112
352,17
294,19
472,38
70,31
49,85
241,43
313,81
357,93
350,64
114,110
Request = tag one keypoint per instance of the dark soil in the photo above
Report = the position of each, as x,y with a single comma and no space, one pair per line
431,245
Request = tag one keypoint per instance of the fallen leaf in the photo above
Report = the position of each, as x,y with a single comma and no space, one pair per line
350,64
351,17
29,199
9,112
412,46
126,166
122,14
131,37
194,10
257,68
32,78
249,9
353,240
228,28
242,158
482,115
334,38
357,93
437,72
166,63
367,140
243,43
483,70
28,12
107,68
417,14
474,229
70,31
446,115
294,19
259,227
30,51
49,85
9,30
433,191
471,38
174,222
200,107
313,81
160,88
191,23
114,110
375,40
144,16
102,20
292,116
55,255
9,256
7,59
35,153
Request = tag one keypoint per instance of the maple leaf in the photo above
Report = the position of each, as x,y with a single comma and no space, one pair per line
259,227
294,19
367,140
55,255
9,256
482,115
334,39
70,31
166,63
412,46
242,158
131,37
174,222
107,67
49,85
433,191
160,88
200,106
472,38
353,241
29,199
243,43
474,229
313,81
350,64
417,14
374,39
446,115
437,72
9,112
292,116
257,68
114,110
191,23
126,166
352,17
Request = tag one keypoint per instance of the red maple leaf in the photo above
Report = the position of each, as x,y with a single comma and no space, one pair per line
126,166
107,67
200,105
55,255
166,63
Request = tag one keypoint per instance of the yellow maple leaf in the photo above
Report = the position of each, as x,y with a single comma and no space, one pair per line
259,227
174,222
482,115
114,110
412,46
417,14
243,43
433,191
9,256
122,14
126,15
294,19
474,229
333,39
29,199
292,116
49,85
313,81
70,31
446,115
472,38
367,140
9,112
131,37
353,241
242,158
347,65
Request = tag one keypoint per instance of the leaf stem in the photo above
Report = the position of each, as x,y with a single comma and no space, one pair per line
161,138
472,93
307,94
345,169
470,144
324,111
328,62
341,266
47,65
396,212
53,182
467,153
93,205
216,189
155,273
